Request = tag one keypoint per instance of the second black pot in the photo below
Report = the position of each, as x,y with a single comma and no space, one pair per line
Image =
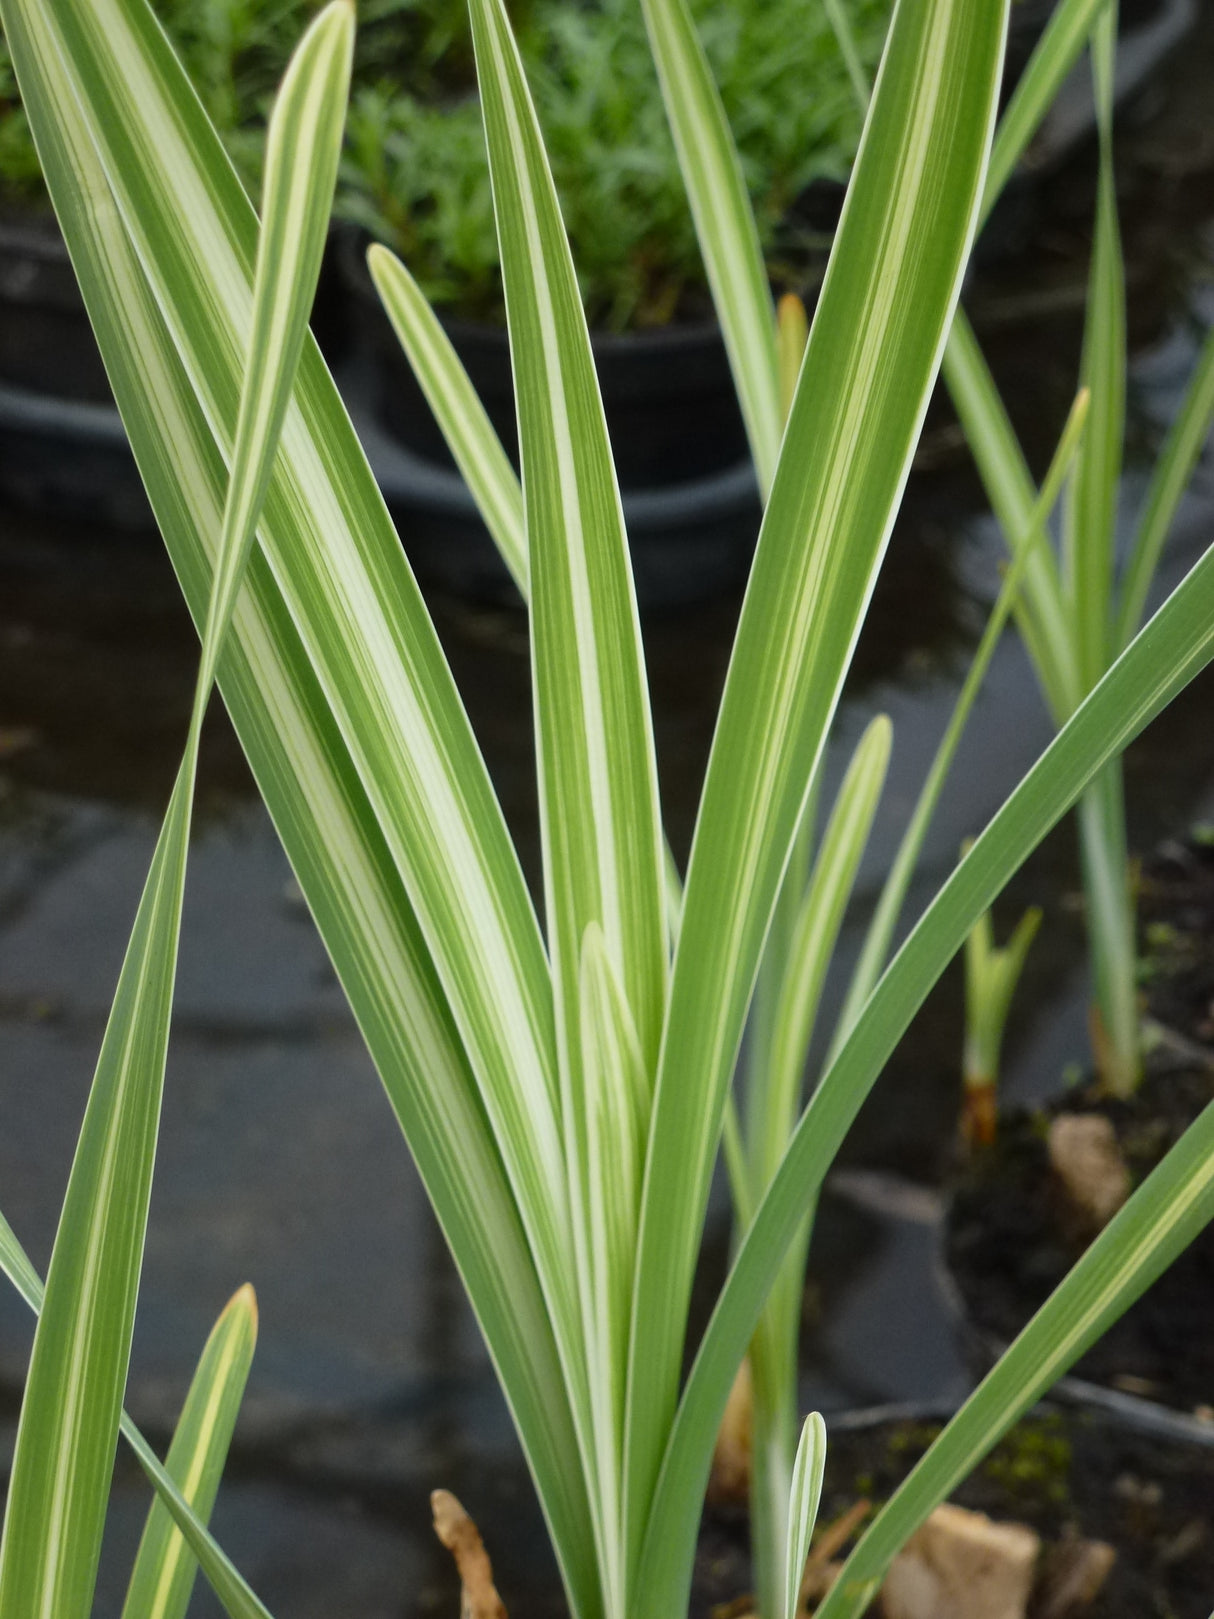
672,413
46,344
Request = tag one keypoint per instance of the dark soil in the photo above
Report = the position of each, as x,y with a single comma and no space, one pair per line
1070,1473
1008,1241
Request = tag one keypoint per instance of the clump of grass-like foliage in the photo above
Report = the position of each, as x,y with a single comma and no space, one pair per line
564,1091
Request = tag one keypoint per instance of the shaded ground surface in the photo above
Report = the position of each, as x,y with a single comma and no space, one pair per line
280,1161
1070,1473
1010,1238
1010,1243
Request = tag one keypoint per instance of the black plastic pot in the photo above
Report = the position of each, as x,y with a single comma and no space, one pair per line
63,448
46,343
671,409
47,346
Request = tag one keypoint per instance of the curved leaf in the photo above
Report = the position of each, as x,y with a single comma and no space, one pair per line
1174,646
163,1576
885,310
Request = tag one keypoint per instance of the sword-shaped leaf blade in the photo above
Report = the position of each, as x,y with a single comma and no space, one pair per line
165,1568
806,1493
603,855
873,352
1176,644
470,435
725,224
236,1596
72,1407
289,694
354,604
64,1456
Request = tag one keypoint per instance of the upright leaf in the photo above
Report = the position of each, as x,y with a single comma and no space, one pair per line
1054,55
601,835
1170,476
1169,652
1091,511
609,1114
1042,615
64,1456
163,1576
469,433
70,1415
354,604
603,857
874,952
327,759
725,224
303,144
238,1600
803,1506
814,938
874,348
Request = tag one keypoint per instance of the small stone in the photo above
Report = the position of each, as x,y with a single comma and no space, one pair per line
961,1565
1087,1162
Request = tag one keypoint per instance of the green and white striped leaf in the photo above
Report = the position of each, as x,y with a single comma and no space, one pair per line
303,144
599,822
884,312
603,857
1167,1211
163,1576
609,1115
236,1596
64,1456
289,727
803,1501
70,1415
1174,646
725,224
1042,616
469,433
15,1263
774,1084
354,604
879,936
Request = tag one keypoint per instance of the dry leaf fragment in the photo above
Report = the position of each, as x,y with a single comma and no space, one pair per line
462,1539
